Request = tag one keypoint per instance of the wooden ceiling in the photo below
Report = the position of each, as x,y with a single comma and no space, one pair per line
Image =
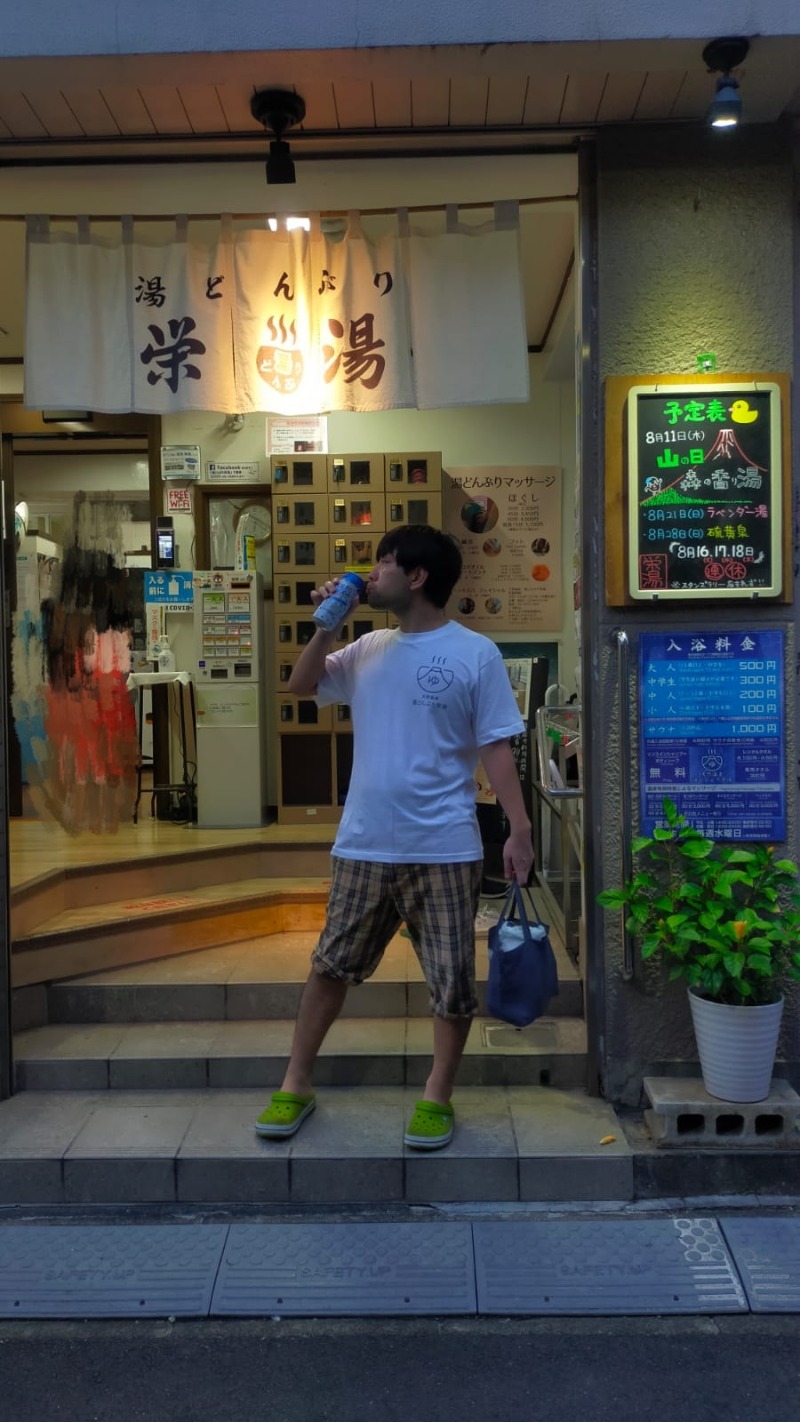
162,108
172,105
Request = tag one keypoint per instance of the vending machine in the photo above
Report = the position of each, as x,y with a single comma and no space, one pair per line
229,672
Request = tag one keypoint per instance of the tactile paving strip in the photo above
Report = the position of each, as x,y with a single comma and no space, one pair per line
315,1270
605,1267
767,1254
108,1271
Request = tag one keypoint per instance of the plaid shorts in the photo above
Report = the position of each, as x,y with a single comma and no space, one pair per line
438,902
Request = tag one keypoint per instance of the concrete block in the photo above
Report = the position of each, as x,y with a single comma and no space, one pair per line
376,999
43,1124
173,1002
157,1073
559,1135
28,1007
575,1177
31,1182
345,1180
351,1148
261,1001
61,1075
481,1161
355,1068
239,1070
134,1128
683,1114
232,1179
127,1180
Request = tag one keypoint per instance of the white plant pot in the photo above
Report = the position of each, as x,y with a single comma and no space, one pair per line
736,1047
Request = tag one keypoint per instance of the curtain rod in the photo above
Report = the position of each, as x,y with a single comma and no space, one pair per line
262,216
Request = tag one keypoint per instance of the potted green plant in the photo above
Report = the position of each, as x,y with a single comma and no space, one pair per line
726,917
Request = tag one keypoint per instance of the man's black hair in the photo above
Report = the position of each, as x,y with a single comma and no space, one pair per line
418,545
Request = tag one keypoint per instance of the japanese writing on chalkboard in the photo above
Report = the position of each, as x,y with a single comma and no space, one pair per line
704,491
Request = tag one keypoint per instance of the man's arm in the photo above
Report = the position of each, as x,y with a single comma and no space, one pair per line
311,663
497,759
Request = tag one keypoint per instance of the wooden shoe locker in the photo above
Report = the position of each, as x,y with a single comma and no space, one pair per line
329,513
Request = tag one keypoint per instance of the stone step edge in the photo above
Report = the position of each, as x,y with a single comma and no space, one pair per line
254,1063
75,873
276,1025
185,913
138,1003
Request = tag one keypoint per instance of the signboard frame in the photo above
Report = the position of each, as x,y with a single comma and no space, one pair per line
695,394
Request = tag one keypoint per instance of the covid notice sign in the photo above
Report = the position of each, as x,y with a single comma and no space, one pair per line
704,491
711,732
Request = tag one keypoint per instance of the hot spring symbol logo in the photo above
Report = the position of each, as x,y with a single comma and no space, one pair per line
434,678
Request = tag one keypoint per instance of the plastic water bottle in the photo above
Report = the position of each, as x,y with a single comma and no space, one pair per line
336,607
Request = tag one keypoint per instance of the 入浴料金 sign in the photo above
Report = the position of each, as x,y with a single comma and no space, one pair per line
704,491
712,732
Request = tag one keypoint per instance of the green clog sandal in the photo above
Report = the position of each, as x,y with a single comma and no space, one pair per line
430,1127
285,1114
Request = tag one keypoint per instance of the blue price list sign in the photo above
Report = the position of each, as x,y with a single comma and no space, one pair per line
711,732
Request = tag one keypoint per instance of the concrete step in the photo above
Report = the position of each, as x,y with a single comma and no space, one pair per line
174,869
511,1143
261,978
93,938
357,1052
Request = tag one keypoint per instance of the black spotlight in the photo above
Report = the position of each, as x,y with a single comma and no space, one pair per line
721,56
277,110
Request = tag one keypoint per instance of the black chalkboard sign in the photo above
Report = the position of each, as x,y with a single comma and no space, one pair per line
704,491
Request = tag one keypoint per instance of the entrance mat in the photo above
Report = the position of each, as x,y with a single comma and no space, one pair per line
317,1270
605,1267
108,1271
767,1254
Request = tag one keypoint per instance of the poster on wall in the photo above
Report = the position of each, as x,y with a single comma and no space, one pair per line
704,491
295,434
180,461
712,739
507,520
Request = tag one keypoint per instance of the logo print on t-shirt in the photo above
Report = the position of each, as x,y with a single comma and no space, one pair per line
434,678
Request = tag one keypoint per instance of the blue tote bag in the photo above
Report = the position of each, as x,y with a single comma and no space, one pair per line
522,968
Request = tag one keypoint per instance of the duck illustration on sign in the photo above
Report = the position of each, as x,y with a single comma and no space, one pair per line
741,413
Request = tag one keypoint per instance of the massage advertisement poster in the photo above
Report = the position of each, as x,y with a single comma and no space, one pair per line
507,519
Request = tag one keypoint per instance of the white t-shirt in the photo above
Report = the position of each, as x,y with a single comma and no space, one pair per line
422,704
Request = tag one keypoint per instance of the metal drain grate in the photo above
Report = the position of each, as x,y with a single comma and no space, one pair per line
108,1271
346,1269
542,1036
767,1254
605,1267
